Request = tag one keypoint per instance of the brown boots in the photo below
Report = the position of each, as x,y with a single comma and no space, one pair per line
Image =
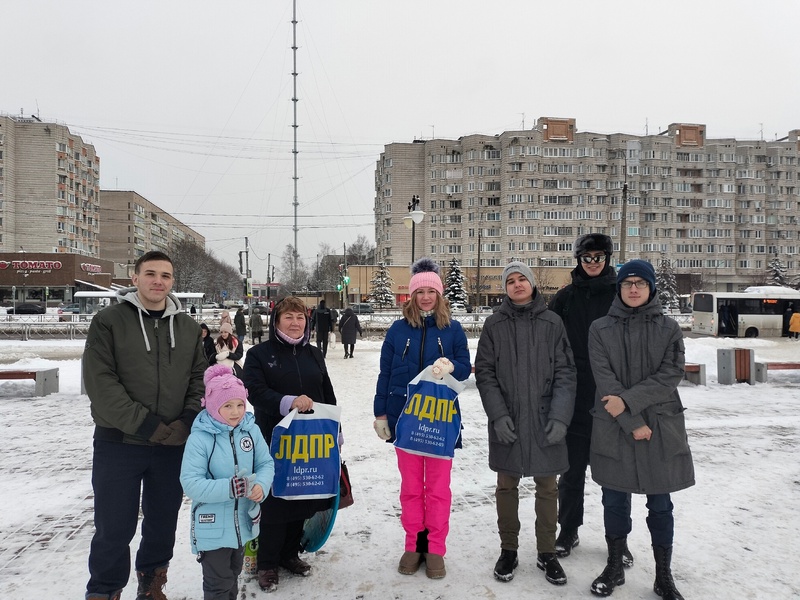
151,585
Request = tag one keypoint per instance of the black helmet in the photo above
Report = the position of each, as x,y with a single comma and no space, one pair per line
593,242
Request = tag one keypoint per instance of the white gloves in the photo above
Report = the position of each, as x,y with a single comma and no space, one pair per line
441,367
381,427
223,355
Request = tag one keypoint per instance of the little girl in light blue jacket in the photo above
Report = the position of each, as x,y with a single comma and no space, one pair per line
227,471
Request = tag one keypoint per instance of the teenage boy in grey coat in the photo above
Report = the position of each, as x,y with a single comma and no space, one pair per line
526,378
639,441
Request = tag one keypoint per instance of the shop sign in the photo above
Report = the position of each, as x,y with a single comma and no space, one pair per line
31,266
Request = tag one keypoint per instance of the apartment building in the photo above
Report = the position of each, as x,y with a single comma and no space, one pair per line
718,209
49,184
132,225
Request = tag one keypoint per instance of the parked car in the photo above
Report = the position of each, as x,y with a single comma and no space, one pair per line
483,309
27,308
70,308
362,308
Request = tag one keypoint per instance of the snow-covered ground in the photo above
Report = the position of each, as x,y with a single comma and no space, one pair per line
736,530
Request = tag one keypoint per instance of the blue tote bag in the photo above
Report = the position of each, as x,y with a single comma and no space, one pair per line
305,450
430,423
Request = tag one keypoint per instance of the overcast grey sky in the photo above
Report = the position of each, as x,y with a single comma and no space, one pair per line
188,102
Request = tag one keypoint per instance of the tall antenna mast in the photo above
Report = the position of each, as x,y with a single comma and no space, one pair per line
295,203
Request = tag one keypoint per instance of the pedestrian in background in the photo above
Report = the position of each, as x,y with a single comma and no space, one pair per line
225,317
794,325
209,349
256,326
425,336
239,325
639,441
143,368
349,326
586,299
228,350
526,379
322,323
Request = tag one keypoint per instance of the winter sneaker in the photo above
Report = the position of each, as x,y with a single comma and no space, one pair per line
268,579
548,562
664,585
627,557
296,566
409,563
505,565
566,541
434,566
111,596
613,575
151,585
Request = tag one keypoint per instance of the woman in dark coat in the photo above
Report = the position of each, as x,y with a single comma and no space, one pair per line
639,442
348,327
208,344
283,373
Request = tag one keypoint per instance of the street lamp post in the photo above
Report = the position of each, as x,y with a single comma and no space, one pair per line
414,216
623,234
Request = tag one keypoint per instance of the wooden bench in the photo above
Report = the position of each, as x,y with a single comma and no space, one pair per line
763,367
695,373
46,379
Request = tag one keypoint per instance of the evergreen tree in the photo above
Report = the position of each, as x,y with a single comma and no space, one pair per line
454,283
776,273
666,284
380,294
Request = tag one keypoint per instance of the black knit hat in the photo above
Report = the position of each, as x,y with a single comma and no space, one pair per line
592,242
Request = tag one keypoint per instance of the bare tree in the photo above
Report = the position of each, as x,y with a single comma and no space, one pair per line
301,277
360,252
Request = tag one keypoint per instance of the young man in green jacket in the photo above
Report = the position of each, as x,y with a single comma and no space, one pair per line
143,370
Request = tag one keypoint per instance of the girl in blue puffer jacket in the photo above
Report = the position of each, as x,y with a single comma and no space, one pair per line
226,471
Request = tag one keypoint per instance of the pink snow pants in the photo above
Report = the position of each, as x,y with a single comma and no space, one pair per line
425,499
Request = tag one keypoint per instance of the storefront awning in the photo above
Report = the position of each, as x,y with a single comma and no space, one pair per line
94,285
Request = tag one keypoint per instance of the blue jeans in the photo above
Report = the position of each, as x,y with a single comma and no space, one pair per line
617,516
119,472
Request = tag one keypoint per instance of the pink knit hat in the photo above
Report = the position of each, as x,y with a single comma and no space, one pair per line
225,327
221,385
425,273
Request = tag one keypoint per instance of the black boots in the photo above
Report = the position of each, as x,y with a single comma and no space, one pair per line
613,575
151,585
504,568
566,541
664,586
548,562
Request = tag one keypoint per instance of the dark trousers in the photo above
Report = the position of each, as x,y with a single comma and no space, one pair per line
221,569
617,516
350,351
571,484
278,542
119,473
322,343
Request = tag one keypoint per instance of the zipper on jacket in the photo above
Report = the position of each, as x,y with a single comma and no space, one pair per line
158,365
422,346
441,348
235,500
405,350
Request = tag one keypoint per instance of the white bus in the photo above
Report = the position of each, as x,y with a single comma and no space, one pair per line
91,302
758,311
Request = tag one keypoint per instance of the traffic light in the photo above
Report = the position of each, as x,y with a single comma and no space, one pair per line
346,278
338,287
